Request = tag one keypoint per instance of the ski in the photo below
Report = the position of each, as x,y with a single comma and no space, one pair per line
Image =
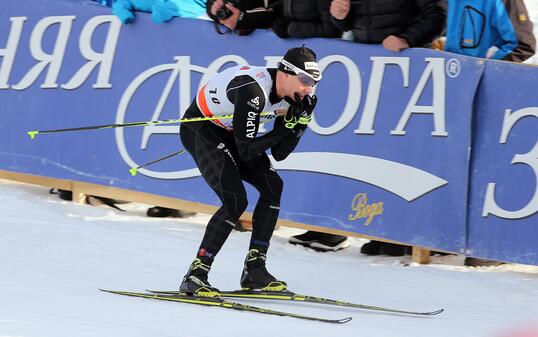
291,296
222,303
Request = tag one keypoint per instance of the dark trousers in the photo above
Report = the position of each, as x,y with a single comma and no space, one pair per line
215,153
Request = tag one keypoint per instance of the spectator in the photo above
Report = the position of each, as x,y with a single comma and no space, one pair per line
243,16
305,18
494,29
397,24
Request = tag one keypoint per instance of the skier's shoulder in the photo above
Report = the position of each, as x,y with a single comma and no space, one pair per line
253,75
255,80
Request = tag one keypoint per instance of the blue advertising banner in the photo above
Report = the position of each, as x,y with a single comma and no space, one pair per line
387,153
503,209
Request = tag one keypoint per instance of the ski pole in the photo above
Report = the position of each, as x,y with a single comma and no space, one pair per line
134,170
32,134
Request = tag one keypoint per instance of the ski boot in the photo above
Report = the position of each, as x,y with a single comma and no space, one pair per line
195,281
256,277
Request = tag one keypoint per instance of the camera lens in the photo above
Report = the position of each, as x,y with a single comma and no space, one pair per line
223,13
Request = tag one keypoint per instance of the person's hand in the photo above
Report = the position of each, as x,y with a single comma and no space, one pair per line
394,43
491,51
215,6
230,22
339,9
439,43
300,111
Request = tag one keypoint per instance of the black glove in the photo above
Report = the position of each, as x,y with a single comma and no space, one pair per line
300,111
280,129
280,27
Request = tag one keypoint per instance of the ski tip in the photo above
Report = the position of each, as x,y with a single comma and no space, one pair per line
430,313
344,320
436,312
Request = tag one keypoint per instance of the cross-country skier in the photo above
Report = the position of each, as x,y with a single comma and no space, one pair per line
228,152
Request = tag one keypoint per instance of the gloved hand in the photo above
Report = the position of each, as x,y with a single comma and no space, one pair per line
300,111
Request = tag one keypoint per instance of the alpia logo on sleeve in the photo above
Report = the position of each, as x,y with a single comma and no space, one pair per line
254,103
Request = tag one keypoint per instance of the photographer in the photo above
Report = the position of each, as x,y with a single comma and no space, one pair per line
243,16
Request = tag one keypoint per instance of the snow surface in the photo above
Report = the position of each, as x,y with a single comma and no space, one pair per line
55,254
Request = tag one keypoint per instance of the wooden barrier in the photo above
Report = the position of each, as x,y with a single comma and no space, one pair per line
81,190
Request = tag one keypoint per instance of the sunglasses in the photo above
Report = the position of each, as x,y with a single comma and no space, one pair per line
305,78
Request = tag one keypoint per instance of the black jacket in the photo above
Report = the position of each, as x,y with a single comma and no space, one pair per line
417,21
305,18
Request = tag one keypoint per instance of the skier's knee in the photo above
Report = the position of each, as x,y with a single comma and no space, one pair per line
236,206
273,191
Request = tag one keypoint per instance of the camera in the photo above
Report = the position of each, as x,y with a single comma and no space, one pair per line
223,13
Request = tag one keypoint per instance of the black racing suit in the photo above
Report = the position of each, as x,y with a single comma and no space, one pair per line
226,158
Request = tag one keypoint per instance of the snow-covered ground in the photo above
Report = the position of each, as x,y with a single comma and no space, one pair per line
532,7
55,254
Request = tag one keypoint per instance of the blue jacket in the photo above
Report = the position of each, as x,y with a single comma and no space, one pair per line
161,10
501,27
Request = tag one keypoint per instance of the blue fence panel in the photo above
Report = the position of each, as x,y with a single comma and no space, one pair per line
503,208
387,154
